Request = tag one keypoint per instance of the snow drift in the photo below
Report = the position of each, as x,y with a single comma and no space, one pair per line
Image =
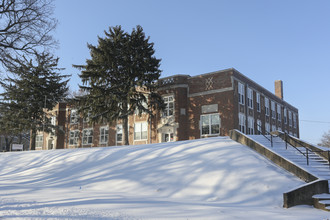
214,178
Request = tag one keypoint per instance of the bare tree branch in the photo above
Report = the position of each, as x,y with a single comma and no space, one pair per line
25,27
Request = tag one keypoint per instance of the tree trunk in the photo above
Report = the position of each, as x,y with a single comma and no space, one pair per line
33,139
125,131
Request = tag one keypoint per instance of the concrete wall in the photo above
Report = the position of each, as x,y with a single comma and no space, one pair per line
303,194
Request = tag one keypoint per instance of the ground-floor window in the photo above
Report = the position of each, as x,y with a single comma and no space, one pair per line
74,137
88,136
241,122
210,124
259,129
267,127
250,125
119,133
104,135
273,127
141,131
168,137
39,141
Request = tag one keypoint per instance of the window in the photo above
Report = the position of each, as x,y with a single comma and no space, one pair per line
144,104
279,112
88,136
119,136
74,137
39,141
267,127
273,127
87,117
53,123
285,116
258,102
266,106
250,125
210,124
273,110
290,118
141,131
241,93
259,129
169,106
294,120
241,122
250,98
74,117
104,135
168,137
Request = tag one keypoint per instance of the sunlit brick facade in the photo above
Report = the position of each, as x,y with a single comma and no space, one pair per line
197,106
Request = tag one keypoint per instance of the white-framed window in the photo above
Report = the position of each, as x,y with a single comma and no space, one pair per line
241,122
169,106
273,110
250,98
273,127
285,116
266,106
87,136
53,123
39,141
168,137
259,128
74,137
241,93
104,135
279,112
267,127
290,118
119,133
210,124
87,117
258,102
250,125
294,120
74,117
140,131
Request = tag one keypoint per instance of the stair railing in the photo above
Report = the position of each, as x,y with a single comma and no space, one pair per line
308,151
265,133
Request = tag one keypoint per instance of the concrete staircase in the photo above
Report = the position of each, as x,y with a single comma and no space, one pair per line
316,165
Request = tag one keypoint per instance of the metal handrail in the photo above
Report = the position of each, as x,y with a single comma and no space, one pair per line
306,148
267,133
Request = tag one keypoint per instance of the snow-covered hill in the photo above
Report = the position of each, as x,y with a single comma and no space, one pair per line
214,178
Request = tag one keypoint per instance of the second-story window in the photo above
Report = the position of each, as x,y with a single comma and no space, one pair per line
285,116
294,120
266,106
258,102
169,106
273,110
74,117
241,122
290,118
241,93
279,113
250,98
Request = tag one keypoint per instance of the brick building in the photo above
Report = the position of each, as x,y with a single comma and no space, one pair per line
197,106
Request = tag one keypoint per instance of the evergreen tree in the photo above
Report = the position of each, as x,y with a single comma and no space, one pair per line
33,87
120,78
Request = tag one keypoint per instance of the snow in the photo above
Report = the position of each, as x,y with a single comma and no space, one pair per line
213,178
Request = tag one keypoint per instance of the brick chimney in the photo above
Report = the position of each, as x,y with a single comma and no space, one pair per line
279,88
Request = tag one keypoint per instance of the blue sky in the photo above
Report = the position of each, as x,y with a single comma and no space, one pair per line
266,40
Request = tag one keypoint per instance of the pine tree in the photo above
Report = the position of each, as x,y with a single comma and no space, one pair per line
35,85
120,78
